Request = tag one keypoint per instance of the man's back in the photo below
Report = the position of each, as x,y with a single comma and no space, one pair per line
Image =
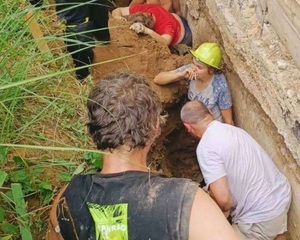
133,204
259,190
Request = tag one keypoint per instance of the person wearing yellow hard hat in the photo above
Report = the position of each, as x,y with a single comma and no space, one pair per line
206,82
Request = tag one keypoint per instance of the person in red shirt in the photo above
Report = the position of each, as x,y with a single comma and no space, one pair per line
166,28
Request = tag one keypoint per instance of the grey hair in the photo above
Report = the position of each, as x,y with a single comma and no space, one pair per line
194,112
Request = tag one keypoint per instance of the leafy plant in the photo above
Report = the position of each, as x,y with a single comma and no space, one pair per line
95,158
24,223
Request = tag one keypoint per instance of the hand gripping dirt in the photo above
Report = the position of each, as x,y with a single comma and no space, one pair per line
137,27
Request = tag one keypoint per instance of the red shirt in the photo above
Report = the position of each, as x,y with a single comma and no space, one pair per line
165,22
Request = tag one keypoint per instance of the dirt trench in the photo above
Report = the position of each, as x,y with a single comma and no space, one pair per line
174,151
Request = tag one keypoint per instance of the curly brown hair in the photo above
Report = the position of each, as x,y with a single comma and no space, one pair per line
122,110
145,18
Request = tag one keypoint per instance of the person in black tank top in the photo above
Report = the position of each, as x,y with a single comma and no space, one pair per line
126,200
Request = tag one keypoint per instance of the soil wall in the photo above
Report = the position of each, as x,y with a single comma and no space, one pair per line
263,77
284,15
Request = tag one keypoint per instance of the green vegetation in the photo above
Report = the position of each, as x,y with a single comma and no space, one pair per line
42,133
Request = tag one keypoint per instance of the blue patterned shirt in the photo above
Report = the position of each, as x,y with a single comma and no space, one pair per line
216,96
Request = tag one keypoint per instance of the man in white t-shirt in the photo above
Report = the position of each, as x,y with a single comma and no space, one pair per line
240,175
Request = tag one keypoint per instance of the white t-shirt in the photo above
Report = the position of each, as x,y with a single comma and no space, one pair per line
260,191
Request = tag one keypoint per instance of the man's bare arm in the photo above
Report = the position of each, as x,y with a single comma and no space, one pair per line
207,220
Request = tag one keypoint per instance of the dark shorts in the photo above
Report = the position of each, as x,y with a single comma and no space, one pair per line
188,37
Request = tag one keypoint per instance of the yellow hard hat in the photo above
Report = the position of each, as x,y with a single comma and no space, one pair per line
208,53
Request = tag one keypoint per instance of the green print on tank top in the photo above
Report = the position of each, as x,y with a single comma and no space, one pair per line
110,221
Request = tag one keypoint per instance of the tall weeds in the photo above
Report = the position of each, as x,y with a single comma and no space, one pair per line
42,120
42,116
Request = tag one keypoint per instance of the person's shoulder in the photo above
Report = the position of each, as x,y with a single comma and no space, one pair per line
219,78
175,182
209,137
80,180
219,81
213,125
218,126
183,180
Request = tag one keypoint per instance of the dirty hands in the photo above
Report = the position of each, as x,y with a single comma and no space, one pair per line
189,73
138,27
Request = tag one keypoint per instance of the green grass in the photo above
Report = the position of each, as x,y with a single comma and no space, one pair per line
43,141
42,128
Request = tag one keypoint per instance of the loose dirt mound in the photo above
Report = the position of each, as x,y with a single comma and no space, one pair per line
139,53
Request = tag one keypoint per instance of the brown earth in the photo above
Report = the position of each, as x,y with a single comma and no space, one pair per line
174,151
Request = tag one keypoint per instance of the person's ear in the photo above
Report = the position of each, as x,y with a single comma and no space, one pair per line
188,127
156,128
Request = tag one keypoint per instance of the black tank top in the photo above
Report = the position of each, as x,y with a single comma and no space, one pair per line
129,205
